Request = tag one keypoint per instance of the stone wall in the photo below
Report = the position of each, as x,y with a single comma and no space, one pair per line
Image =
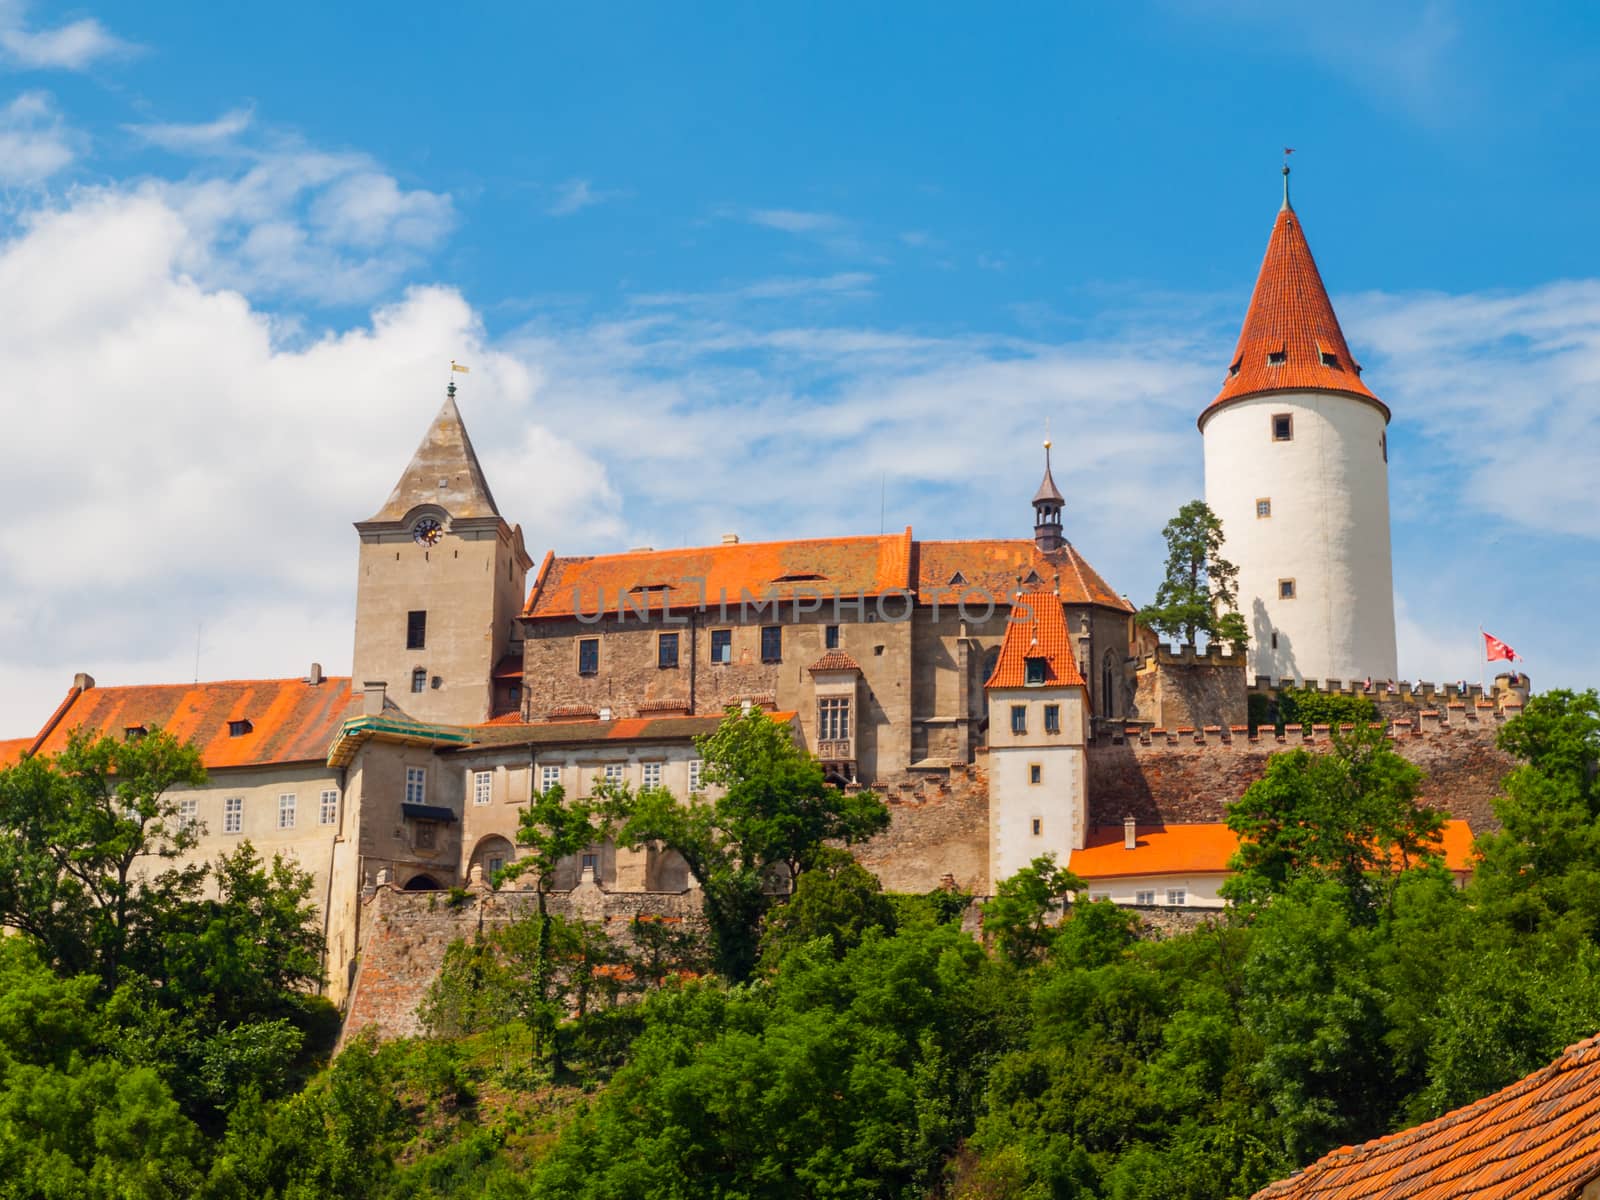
1177,777
1405,699
1177,687
938,826
405,936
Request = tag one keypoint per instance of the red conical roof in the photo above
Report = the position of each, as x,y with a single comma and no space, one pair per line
1291,340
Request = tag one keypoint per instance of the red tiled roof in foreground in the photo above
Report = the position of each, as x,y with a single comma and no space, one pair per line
290,719
1538,1139
973,572
1203,849
1037,629
1290,316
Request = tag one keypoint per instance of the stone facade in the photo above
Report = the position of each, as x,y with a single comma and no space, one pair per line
1177,687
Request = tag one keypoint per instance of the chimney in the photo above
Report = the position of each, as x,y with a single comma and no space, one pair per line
1130,833
314,676
730,539
372,698
83,681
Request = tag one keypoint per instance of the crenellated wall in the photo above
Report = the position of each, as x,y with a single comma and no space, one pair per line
1190,774
1179,685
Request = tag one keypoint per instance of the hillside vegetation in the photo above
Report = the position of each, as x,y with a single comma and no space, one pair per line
837,1043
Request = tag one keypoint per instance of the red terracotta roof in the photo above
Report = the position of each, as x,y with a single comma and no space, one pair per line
1538,1139
1204,849
12,750
687,578
1037,629
1289,327
834,660
624,729
290,720
996,567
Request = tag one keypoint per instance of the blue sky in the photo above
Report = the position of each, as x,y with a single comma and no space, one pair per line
748,268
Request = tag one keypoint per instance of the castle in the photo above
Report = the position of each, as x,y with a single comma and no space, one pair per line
998,692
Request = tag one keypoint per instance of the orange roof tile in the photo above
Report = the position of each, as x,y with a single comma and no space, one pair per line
1289,327
1538,1139
1037,629
659,579
834,660
291,720
997,567
12,750
1204,849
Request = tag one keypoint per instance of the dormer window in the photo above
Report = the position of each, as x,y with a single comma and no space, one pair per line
1330,360
1233,368
132,733
239,728
1035,670
1276,358
1033,577
957,580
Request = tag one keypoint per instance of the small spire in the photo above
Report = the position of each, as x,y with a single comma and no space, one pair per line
1287,150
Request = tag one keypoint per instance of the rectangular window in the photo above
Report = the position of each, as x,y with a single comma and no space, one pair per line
652,775
1285,589
696,767
1038,827
239,728
1176,896
613,773
417,630
1035,670
771,643
1019,718
482,786
667,650
426,831
589,656
419,680
549,776
328,813
1052,718
286,811
1383,445
591,866
722,645
233,814
833,719
1264,507
1282,427
1035,773
830,637
188,814
1144,897
416,785
495,866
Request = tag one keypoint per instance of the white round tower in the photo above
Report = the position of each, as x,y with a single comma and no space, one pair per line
1296,450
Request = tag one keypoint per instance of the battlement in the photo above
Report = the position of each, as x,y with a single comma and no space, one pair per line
1507,689
1480,717
1216,654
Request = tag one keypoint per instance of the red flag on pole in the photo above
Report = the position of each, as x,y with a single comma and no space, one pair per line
1494,648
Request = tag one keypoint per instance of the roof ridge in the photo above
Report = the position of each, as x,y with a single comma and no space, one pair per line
123,687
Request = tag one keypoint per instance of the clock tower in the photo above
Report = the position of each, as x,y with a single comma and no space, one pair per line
441,580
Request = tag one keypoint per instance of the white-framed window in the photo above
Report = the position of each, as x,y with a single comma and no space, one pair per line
1177,896
286,810
482,786
1144,897
613,773
696,767
652,774
188,814
833,718
328,810
233,814
416,785
549,776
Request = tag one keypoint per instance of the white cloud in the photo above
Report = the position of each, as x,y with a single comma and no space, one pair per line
841,285
575,195
35,143
71,47
791,220
203,138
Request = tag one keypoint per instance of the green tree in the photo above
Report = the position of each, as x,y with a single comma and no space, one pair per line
1543,866
772,821
1025,915
1349,814
838,899
71,829
1200,594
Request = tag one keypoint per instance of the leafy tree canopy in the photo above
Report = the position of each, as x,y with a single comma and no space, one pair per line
1200,594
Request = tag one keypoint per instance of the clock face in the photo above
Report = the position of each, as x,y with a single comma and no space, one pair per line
427,532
